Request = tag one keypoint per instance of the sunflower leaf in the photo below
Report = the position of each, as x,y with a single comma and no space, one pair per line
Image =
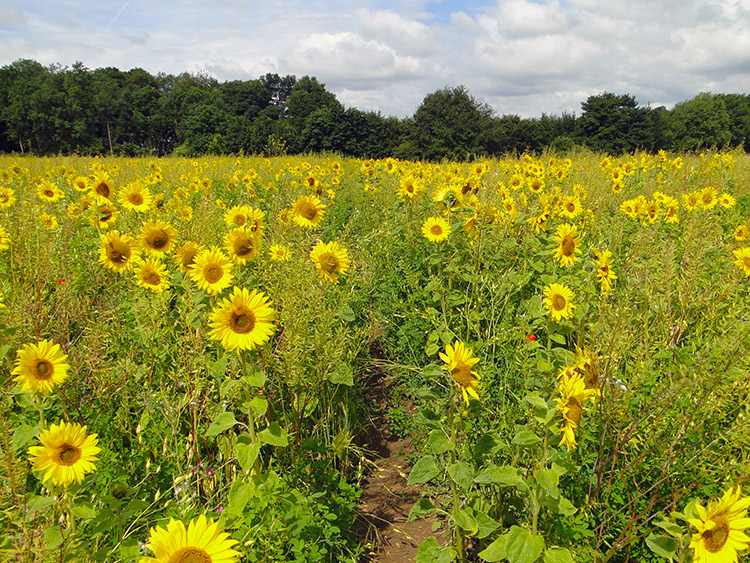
430,551
274,435
221,422
557,555
423,471
255,377
664,546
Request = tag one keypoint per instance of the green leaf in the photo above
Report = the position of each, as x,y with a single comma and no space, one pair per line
247,454
503,475
342,375
423,471
23,435
53,537
274,435
522,546
431,349
495,551
487,444
465,520
255,376
221,422
559,338
347,314
259,404
420,508
526,438
486,524
84,511
429,551
548,480
439,442
432,372
39,503
462,474
239,495
665,546
558,555
671,528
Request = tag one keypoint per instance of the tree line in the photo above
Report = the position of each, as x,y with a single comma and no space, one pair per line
51,110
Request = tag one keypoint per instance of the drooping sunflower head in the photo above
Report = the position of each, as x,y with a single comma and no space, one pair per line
101,186
558,300
720,528
308,212
157,237
40,367
573,394
243,321
117,251
212,271
66,453
436,229
459,361
185,255
330,259
568,244
151,274
242,245
201,542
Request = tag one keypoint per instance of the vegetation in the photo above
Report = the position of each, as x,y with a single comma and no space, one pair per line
61,110
190,341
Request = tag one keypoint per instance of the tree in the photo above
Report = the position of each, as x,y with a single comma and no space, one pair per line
614,124
700,123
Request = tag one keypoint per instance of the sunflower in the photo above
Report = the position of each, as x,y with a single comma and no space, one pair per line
105,215
409,188
185,255
7,197
741,233
708,197
48,220
436,229
570,206
117,251
66,453
604,272
535,185
135,197
691,200
49,192
279,253
151,274
101,186
459,361
243,321
308,212
568,241
212,271
157,237
727,200
743,259
81,184
719,534
4,239
240,216
40,367
558,301
241,245
573,393
539,222
330,259
200,543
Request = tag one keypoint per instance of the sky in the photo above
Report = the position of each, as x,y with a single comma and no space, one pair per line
522,57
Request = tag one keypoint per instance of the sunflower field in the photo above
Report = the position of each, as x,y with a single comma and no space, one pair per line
188,347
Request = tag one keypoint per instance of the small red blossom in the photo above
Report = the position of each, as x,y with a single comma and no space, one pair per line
61,280
530,338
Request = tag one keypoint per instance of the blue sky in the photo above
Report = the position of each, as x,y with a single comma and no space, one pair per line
524,57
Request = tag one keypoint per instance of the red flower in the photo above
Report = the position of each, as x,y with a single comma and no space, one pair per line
530,337
61,280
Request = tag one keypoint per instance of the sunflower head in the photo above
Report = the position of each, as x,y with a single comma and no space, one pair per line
719,528
186,254
459,361
242,245
330,260
157,237
243,321
66,453
436,229
40,367
558,300
308,212
212,271
201,542
117,251
151,274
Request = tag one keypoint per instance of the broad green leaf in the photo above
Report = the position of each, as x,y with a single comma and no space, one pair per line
462,474
342,375
84,511
432,372
255,376
429,551
522,546
559,338
23,435
53,537
487,444
526,438
665,546
465,520
503,475
671,528
423,471
495,551
247,454
439,442
274,435
259,404
239,495
486,524
221,422
421,507
557,555
548,480
347,314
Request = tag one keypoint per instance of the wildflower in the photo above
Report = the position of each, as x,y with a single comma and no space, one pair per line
459,361
243,321
40,367
719,529
201,542
66,453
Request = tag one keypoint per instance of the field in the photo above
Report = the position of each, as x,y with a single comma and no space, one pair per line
186,341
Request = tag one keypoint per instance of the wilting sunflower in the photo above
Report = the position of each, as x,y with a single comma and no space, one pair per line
308,212
157,237
243,321
568,241
39,367
436,229
66,453
330,259
573,393
49,192
7,197
101,186
459,361
201,542
279,253
136,197
604,272
151,274
241,245
743,259
720,534
185,255
558,301
212,271
117,251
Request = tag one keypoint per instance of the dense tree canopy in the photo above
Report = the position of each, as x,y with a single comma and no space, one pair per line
49,110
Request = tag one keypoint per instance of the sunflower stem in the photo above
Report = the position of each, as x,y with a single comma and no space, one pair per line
459,539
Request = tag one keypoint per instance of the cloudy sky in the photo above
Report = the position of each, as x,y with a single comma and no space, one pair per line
524,57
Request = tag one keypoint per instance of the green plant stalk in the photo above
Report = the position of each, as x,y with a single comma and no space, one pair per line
459,539
255,470
535,503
